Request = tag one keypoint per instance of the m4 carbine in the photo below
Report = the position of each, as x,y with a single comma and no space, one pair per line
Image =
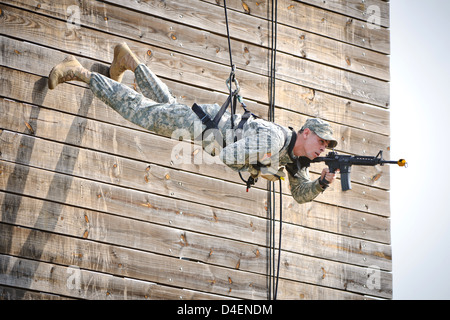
343,163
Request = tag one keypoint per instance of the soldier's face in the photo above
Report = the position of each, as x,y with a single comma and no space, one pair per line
313,144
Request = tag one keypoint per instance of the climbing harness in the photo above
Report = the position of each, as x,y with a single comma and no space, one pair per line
231,102
233,98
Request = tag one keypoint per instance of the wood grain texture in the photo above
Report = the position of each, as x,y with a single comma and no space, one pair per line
94,207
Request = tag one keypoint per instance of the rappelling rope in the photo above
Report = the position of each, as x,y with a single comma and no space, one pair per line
271,195
273,275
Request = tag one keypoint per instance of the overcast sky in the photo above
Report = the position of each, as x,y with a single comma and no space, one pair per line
420,125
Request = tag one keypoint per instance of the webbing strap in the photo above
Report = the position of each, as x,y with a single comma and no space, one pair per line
204,118
214,124
222,111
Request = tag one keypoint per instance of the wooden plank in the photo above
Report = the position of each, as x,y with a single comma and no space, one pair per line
200,72
362,10
127,263
108,198
217,251
315,20
121,141
10,293
94,285
72,281
123,172
251,57
144,266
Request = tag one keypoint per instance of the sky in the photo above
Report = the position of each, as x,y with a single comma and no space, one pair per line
420,123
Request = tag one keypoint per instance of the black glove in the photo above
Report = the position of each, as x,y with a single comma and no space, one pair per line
324,183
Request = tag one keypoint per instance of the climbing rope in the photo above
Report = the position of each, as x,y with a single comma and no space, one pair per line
273,273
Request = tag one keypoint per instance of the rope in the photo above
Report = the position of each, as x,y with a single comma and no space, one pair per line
271,203
271,194
228,33
232,77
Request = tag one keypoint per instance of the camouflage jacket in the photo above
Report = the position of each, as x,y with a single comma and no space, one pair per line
264,143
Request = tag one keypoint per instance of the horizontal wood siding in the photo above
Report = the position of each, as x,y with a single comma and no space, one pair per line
94,207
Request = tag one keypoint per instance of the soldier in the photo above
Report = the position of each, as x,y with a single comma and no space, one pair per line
262,148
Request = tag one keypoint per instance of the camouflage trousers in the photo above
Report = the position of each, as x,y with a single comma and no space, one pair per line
158,111
154,109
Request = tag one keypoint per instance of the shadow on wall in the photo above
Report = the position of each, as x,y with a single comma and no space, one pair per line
58,187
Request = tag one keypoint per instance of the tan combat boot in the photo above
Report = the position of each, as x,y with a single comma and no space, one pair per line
124,60
69,69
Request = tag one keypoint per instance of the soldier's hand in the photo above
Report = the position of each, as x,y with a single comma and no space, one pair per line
327,176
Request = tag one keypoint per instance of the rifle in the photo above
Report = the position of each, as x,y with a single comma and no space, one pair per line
344,163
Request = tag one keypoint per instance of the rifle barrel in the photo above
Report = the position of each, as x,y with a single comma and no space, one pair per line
359,160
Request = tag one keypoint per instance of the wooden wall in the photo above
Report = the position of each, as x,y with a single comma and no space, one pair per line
94,207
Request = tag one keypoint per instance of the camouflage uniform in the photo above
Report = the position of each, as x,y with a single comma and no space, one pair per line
262,142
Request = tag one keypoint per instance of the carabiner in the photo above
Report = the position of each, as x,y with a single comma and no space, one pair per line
232,78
